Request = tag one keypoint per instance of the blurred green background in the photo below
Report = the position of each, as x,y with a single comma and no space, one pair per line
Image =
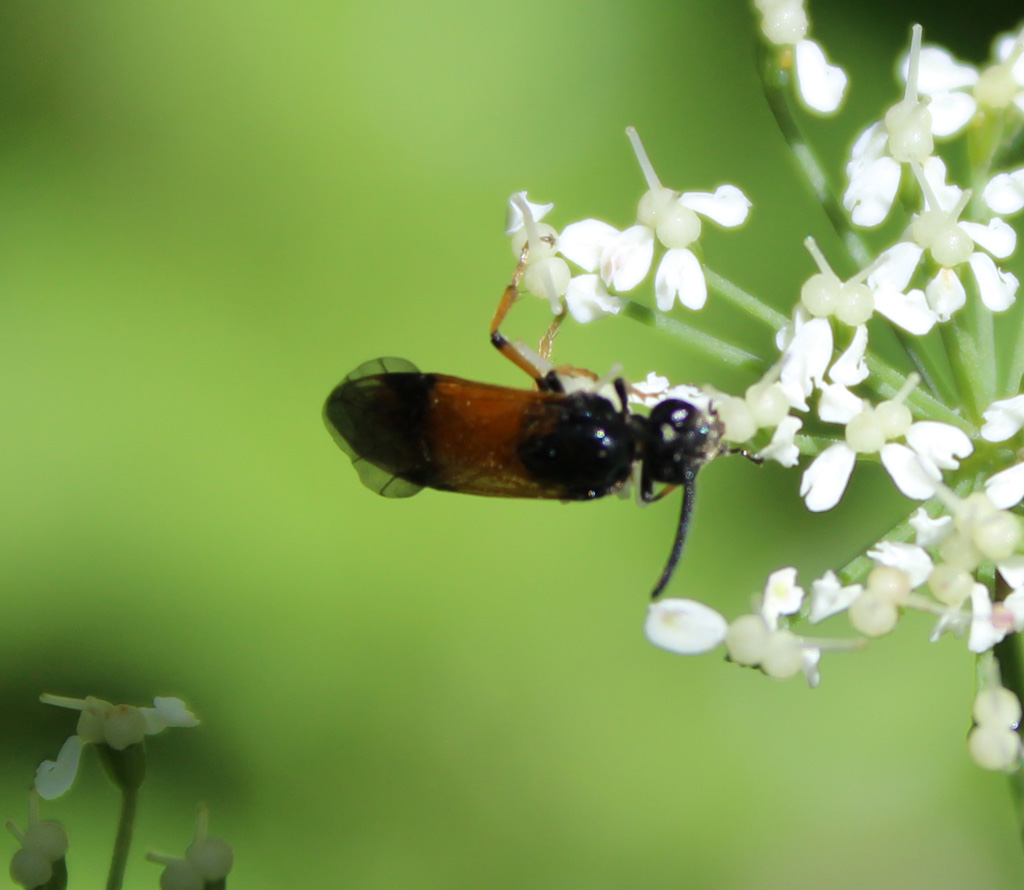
210,214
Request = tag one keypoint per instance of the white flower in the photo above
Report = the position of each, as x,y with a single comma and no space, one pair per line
587,299
1004,193
684,626
850,368
938,229
1004,418
990,622
993,742
515,220
783,447
911,559
825,480
947,83
819,85
910,310
545,275
656,388
806,346
43,844
829,597
208,860
100,722
782,596
623,259
915,468
905,134
930,531
1006,488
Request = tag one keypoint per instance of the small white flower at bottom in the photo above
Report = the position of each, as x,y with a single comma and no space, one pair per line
684,626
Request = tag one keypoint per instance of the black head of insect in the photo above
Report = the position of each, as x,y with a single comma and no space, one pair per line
677,438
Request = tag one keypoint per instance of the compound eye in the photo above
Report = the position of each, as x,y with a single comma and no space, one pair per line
673,418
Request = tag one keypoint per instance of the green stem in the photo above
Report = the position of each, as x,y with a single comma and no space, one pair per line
777,90
963,358
1016,370
1007,654
857,568
123,841
741,299
985,347
929,380
704,343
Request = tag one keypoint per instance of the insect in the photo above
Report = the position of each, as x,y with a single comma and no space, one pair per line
405,430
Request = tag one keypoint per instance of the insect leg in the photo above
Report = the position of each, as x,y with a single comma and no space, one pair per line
498,339
547,342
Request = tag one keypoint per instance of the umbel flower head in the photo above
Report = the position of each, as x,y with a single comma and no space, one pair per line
117,730
39,860
945,422
206,864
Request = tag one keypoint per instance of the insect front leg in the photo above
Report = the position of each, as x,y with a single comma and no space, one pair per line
500,342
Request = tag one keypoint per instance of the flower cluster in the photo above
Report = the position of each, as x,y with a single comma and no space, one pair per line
117,732
946,424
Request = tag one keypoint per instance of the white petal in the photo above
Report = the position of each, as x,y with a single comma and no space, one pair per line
626,258
805,359
934,171
782,596
820,85
945,294
1006,488
837,404
850,368
782,447
1012,571
896,267
680,275
685,627
825,480
909,311
173,712
870,194
1003,46
54,777
984,634
829,597
1004,418
728,206
910,558
998,289
997,237
909,472
1014,604
930,531
939,443
1005,192
810,656
582,242
514,218
952,620
687,392
951,112
939,72
588,299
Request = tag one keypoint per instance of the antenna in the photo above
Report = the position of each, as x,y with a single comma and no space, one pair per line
689,495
